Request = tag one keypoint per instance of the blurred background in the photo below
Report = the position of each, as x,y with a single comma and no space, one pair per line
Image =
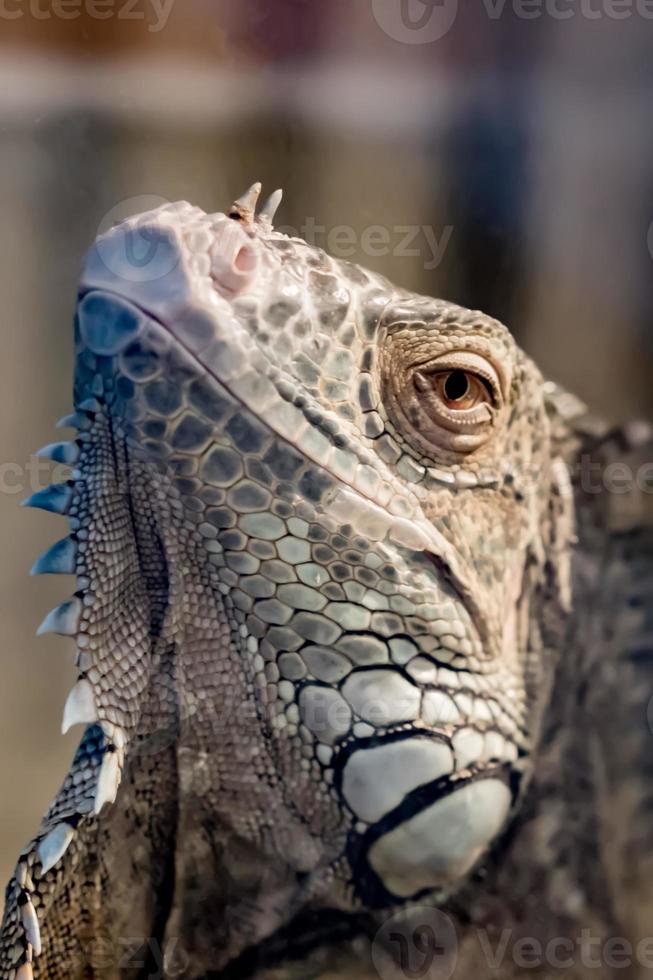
500,157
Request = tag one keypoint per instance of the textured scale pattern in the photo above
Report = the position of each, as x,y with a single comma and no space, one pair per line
318,615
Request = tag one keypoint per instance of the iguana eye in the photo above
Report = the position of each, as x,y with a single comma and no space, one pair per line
461,390
450,402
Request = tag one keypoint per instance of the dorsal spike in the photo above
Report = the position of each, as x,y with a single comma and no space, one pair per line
54,845
30,923
60,452
76,420
108,780
60,559
244,207
55,499
63,620
269,208
80,706
90,405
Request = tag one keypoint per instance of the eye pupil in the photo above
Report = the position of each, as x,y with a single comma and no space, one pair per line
456,386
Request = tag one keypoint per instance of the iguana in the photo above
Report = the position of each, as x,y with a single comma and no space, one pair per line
357,638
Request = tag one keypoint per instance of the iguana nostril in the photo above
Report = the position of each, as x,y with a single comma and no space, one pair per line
233,257
245,260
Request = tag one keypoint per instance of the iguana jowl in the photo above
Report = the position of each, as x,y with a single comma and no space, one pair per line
321,529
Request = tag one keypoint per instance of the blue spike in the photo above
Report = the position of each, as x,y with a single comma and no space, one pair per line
55,499
60,452
90,405
63,620
76,420
60,559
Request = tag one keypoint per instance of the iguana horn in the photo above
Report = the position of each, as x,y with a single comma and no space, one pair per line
244,207
269,208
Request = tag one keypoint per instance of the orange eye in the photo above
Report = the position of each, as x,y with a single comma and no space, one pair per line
461,390
456,399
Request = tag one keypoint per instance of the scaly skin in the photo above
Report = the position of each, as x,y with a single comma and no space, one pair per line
321,529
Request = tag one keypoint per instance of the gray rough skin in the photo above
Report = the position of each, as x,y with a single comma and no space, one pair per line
337,663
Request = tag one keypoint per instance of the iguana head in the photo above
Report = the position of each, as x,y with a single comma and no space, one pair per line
326,510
